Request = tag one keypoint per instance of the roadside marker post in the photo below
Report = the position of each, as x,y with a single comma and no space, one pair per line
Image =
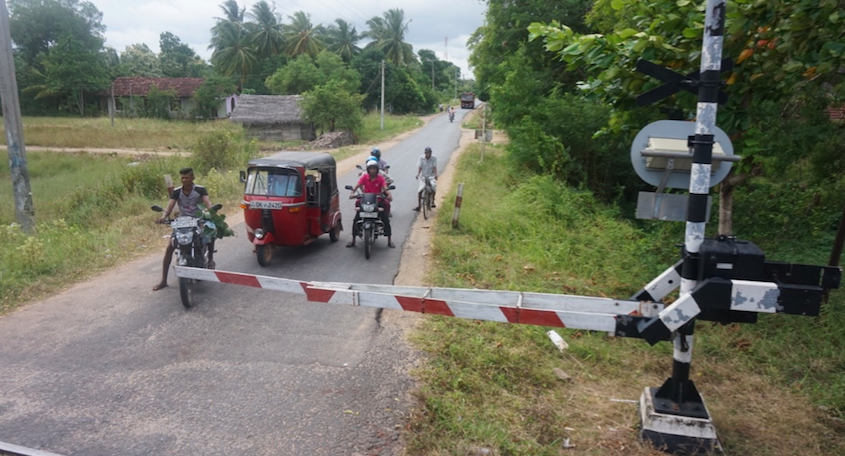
720,279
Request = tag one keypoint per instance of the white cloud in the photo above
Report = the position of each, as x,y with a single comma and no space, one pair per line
143,21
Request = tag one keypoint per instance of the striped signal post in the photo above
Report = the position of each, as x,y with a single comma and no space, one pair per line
674,415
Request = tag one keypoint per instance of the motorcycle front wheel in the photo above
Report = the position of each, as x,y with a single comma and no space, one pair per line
368,242
185,292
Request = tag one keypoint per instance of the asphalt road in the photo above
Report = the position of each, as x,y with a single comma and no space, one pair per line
110,367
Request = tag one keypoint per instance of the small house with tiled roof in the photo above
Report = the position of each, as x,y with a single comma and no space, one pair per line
125,93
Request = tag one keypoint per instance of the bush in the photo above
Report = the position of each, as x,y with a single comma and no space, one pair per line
221,150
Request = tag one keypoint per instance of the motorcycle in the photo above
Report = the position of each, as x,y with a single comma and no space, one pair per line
368,224
451,116
191,238
382,172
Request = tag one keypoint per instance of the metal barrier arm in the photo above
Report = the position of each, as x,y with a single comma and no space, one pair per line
619,317
667,282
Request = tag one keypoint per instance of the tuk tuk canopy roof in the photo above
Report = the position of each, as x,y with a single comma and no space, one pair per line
307,160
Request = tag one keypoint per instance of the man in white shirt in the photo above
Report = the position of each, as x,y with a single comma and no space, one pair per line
427,168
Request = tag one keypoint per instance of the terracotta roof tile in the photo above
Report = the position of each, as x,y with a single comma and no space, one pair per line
138,86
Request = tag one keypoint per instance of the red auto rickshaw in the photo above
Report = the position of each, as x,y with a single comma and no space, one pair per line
290,199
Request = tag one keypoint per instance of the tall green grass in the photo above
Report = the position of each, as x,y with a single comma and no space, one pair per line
92,211
491,385
127,133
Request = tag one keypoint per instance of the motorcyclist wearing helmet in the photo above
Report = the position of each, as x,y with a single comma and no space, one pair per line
427,168
373,182
382,165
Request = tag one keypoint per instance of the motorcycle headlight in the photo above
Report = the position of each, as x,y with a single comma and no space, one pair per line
259,233
369,207
184,238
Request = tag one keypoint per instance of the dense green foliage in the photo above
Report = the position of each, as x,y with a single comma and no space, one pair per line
330,107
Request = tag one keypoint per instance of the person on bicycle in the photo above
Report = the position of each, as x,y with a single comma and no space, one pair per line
373,182
188,197
427,168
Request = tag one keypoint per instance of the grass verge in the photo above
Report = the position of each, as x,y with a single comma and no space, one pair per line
772,388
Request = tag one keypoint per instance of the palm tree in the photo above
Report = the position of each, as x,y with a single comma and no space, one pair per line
388,35
232,11
265,30
302,37
342,40
233,53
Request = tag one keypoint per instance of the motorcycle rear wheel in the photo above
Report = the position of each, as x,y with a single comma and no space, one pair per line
185,292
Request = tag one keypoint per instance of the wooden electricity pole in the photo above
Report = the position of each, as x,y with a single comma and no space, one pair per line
24,209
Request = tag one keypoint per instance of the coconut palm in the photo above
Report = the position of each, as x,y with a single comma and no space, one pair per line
233,53
302,37
232,12
388,35
342,39
265,29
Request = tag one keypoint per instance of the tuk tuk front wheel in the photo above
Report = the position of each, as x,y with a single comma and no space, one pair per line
264,253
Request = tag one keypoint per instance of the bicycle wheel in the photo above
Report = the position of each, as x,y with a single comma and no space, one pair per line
426,206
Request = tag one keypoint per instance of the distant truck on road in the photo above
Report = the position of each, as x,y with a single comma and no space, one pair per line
468,100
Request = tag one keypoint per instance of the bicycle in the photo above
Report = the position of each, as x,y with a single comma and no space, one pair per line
427,197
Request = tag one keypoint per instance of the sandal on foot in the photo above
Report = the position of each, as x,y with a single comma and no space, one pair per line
159,286
391,245
416,209
351,244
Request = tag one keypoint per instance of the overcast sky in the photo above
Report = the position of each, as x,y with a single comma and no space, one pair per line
432,21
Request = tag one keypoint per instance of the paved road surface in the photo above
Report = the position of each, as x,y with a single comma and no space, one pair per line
111,368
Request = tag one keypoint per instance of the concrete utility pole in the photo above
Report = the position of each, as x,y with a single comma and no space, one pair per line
382,94
24,209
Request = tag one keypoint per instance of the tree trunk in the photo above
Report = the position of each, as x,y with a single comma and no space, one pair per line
726,207
726,198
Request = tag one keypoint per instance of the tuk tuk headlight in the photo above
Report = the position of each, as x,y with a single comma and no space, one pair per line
185,238
259,233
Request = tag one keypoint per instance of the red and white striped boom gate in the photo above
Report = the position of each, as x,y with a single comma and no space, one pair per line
619,317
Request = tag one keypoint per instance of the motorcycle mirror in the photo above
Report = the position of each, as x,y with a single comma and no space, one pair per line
216,207
387,167
156,208
348,187
359,167
391,187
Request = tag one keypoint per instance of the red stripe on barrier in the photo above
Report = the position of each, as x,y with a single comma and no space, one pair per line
410,304
511,313
540,318
316,295
237,279
437,307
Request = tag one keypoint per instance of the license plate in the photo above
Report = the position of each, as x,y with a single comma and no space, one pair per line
184,222
265,205
369,215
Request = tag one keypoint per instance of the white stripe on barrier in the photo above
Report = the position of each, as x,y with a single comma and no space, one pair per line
680,312
754,296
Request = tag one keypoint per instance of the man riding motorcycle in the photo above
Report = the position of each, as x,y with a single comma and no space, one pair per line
373,182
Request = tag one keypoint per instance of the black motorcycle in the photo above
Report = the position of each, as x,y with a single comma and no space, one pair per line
368,223
191,238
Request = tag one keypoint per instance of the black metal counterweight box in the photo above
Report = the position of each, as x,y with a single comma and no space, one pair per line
731,258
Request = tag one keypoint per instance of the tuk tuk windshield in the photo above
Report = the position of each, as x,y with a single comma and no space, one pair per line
273,182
